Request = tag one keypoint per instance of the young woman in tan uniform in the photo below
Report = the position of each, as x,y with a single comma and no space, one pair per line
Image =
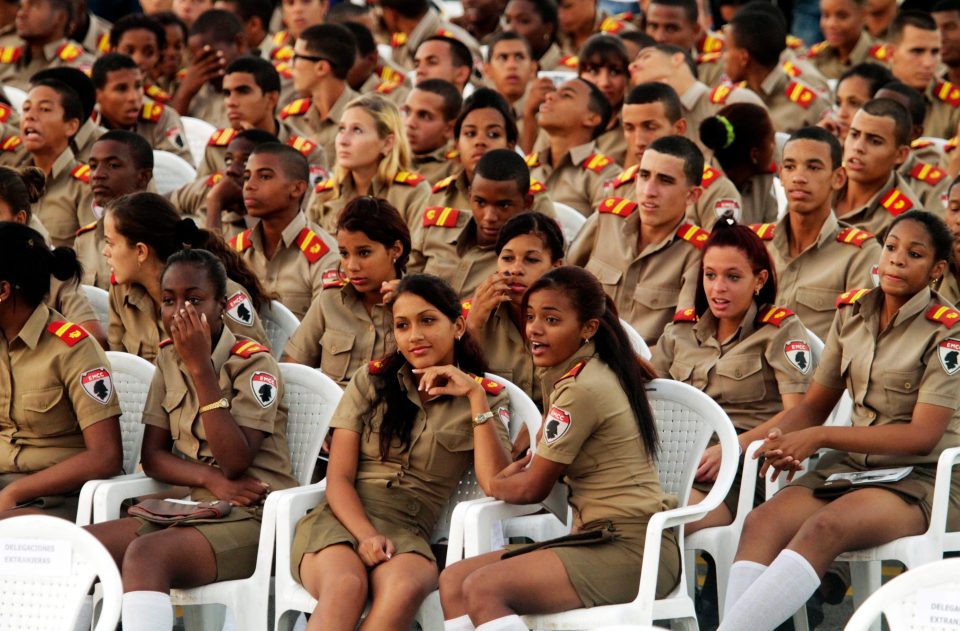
894,348
597,412
141,231
949,285
59,422
350,324
734,344
399,450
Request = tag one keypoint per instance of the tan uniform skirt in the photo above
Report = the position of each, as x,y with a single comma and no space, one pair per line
63,506
396,514
607,572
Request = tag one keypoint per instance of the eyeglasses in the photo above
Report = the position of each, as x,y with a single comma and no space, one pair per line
313,58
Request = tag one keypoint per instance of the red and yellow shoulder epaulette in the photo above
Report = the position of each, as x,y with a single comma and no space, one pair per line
5,112
927,173
708,58
333,278
854,236
794,42
375,367
68,332
880,52
280,38
166,342
87,228
947,92
81,172
10,54
181,74
465,308
710,175
386,87
711,44
536,187
442,32
301,144
10,143
156,93
323,187
626,177
800,94
617,206
764,230
850,297
241,242
453,154
222,137
103,44
489,385
296,108
284,69
443,184
695,235
409,178
113,278
791,69
946,316
389,75
718,96
685,315
575,370
246,348
440,217
952,144
775,316
921,143
151,112
570,61
398,39
896,202
532,159
611,26
625,16
311,245
213,179
596,162
282,53
817,48
69,51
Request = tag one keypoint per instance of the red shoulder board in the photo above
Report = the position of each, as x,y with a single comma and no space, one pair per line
612,26
113,279
896,202
776,315
246,348
81,172
947,92
222,137
280,38
444,183
69,332
533,160
880,52
576,370
489,385
708,58
465,308
181,74
311,245
296,108
952,144
943,314
625,16
398,39
389,75
928,173
816,49
10,143
854,236
627,177
596,162
764,230
711,44
453,154
386,87
617,206
570,61
800,94
685,315
921,143
440,217
791,69
69,51
87,228
323,187
282,53
333,278
850,297
214,179
409,178
794,42
695,235
151,112
5,111
166,342
156,93
718,96
103,44
375,367
241,242
442,32
283,69
10,54
301,144
710,175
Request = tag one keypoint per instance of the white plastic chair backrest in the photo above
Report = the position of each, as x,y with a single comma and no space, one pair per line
279,323
523,411
132,376
781,140
899,599
386,51
16,96
100,301
311,398
198,132
47,603
170,171
781,196
570,221
636,340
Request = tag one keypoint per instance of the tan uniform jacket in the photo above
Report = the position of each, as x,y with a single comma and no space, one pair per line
66,297
758,199
408,193
928,182
454,192
54,382
250,378
613,144
89,247
215,156
18,64
190,200
207,105
603,23
68,202
437,165
505,350
445,245
578,178
338,335
88,134
913,360
894,198
927,151
791,102
551,59
943,109
949,287
827,60
392,90
405,44
97,39
710,68
305,119
160,126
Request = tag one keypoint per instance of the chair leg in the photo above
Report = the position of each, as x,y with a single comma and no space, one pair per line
204,617
690,560
287,621
722,559
800,622
685,624
866,577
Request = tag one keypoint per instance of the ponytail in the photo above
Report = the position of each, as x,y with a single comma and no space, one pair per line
27,263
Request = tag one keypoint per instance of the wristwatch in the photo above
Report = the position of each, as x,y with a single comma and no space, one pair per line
222,404
480,419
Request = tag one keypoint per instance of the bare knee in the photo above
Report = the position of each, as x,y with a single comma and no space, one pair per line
451,582
407,592
482,590
821,529
343,586
142,565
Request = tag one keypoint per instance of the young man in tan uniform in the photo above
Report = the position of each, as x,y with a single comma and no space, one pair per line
410,22
644,254
429,113
371,73
843,20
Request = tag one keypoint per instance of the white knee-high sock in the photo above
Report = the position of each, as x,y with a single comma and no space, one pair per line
85,615
147,611
462,623
507,623
780,591
742,576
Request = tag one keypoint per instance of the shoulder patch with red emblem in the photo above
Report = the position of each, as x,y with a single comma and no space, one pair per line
240,309
166,342
246,348
156,93
296,108
618,206
947,92
596,162
532,160
10,54
854,236
81,172
946,316
800,94
611,26
241,242
333,279
791,69
850,297
695,235
69,51
896,202
817,48
443,184
68,332
775,316
685,315
537,187
489,385
151,112
880,52
708,58
301,144
718,95
409,178
311,245
323,187
87,228
626,177
98,385
928,173
710,175
376,366
441,217
711,44
265,387
764,230
570,61
921,143
222,137
10,143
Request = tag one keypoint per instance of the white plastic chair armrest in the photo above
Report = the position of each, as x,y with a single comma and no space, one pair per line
292,504
109,495
456,534
941,490
481,517
85,502
748,483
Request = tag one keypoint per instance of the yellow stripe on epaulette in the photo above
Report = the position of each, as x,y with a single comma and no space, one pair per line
10,143
927,173
695,235
776,316
817,48
87,228
311,245
489,385
596,162
222,137
800,94
943,314
710,175
854,236
246,348
443,184
409,178
68,332
442,217
532,160
241,243
685,315
764,230
81,172
850,297
575,370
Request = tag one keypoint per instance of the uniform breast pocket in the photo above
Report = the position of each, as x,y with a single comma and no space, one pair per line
173,405
41,416
741,379
681,371
132,342
335,360
447,451
901,388
608,275
817,299
656,298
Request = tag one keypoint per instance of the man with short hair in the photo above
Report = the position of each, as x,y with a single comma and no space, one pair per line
255,16
511,68
81,84
946,13
878,16
143,39
677,22
369,71
429,114
441,57
410,22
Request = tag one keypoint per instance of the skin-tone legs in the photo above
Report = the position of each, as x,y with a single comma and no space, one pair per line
719,516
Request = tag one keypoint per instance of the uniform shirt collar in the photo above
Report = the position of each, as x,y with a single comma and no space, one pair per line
693,94
550,376
63,161
221,352
581,152
871,303
336,112
862,47
781,236
706,326
774,81
50,50
87,131
293,229
437,155
34,326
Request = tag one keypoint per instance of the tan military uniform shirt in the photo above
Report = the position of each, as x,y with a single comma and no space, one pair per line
338,335
578,178
190,200
887,373
943,110
68,298
305,119
445,245
551,59
89,247
613,144
454,192
135,327
647,285
97,39
392,90
9,37
894,198
17,65
928,182
603,23
405,44
68,202
827,60
792,103
207,105
215,156
758,200
748,373
295,273
408,193
505,350
437,165
927,151
254,386
53,385
160,126
588,421
949,287
710,68
88,134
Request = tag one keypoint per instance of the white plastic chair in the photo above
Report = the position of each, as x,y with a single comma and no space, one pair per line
16,96
52,603
636,340
311,398
385,51
279,323
686,419
900,598
100,301
781,195
170,171
198,132
570,220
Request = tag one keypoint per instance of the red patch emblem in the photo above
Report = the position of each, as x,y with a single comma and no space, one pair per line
557,423
949,352
264,386
98,384
240,309
799,355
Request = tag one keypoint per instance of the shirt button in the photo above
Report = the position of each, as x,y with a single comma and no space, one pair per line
907,385
413,507
737,372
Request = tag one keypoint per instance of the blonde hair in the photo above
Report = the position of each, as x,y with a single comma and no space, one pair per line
386,117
